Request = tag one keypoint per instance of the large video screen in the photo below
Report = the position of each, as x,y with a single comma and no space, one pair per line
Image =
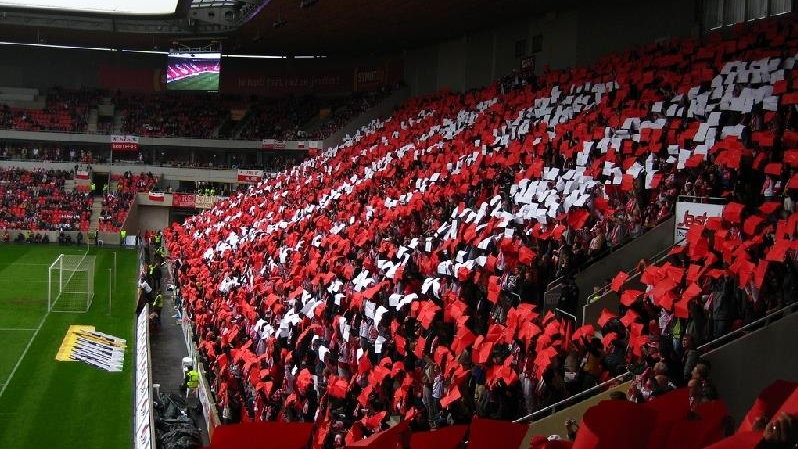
193,71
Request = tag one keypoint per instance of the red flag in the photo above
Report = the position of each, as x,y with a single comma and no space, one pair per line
630,296
337,387
774,168
793,183
492,434
453,395
494,288
606,315
778,251
525,255
733,212
751,223
364,364
304,380
618,280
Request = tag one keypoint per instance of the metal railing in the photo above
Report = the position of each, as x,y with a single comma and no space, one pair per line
557,282
703,349
634,273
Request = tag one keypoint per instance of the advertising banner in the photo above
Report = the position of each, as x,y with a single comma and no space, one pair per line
333,81
688,212
205,201
185,200
124,143
272,144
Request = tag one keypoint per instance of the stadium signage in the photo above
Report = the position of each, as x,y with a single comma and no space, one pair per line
124,143
183,200
205,201
688,212
250,176
143,437
272,144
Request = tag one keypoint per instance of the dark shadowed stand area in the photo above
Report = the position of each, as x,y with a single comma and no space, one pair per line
168,350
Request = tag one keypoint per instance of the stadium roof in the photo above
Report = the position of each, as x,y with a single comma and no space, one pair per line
275,27
128,7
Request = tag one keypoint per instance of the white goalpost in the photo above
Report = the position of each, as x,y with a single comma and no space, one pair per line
71,283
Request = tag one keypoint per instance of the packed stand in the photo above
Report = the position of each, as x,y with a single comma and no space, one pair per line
279,119
116,204
345,110
64,111
403,271
173,115
37,201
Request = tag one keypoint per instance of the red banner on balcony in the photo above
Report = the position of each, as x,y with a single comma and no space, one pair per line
125,143
156,196
185,200
250,176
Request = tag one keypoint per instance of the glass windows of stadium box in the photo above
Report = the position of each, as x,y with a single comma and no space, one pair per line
733,12
719,13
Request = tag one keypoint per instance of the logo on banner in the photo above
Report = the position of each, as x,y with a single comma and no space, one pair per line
205,201
250,176
183,200
124,143
688,213
84,344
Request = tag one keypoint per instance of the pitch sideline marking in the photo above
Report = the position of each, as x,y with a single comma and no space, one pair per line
24,353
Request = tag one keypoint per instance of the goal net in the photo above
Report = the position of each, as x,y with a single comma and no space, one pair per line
71,283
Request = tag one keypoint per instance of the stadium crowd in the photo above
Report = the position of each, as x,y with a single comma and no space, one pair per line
194,115
402,272
64,111
345,110
37,201
116,204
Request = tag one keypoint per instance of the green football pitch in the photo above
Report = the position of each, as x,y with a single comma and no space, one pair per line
45,403
203,81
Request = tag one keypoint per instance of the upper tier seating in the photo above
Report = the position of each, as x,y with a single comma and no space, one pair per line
404,268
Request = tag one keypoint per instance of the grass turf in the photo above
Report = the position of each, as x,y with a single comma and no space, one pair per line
203,81
62,404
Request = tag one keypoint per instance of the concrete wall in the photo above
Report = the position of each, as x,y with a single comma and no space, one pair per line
570,37
742,368
152,218
34,67
382,109
625,259
554,424
605,27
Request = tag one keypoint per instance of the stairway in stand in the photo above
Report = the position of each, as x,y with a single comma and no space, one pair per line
96,211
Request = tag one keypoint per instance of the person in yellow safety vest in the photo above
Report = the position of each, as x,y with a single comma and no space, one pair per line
595,296
157,305
122,236
155,276
93,187
192,382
